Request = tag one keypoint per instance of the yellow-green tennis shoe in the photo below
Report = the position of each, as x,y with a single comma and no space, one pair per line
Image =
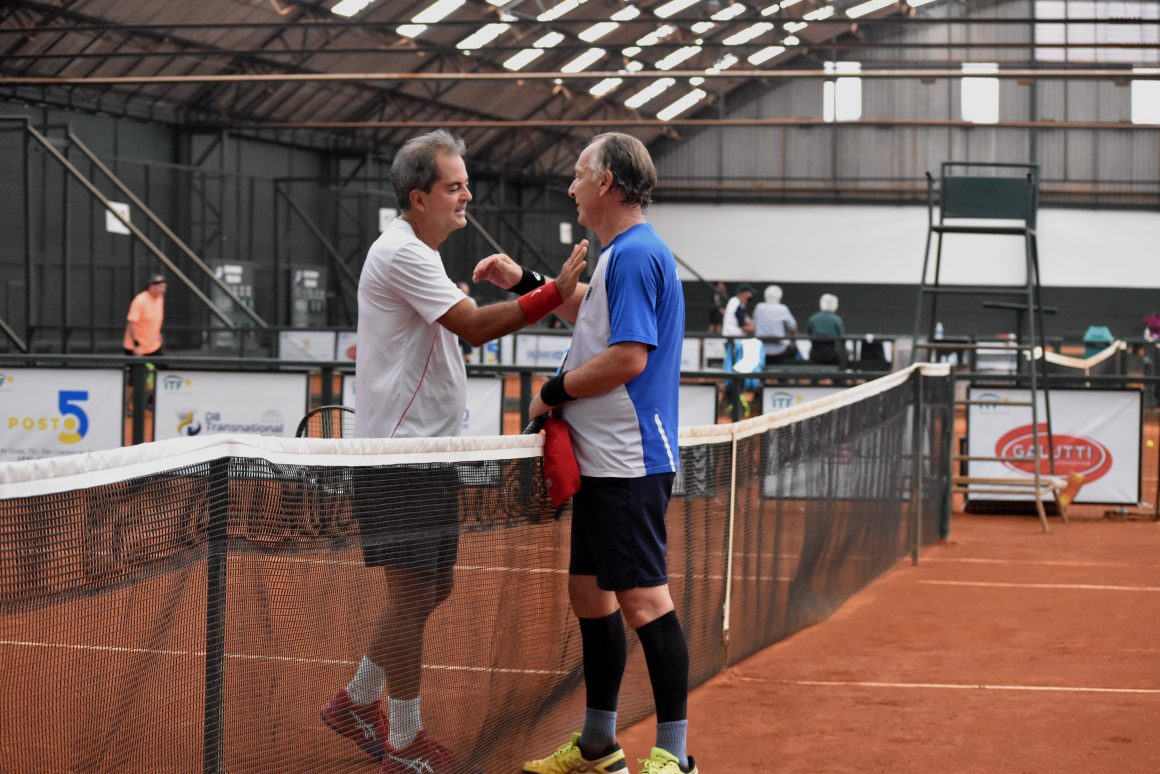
663,762
569,760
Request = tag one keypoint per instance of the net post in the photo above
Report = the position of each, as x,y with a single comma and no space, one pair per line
525,396
948,505
215,615
137,377
916,480
729,545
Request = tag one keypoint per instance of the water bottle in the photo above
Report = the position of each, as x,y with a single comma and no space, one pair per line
938,330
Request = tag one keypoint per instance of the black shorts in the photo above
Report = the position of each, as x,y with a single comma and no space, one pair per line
408,516
618,531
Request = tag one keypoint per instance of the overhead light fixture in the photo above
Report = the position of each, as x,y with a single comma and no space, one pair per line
673,7
818,14
870,6
678,56
696,80
529,55
748,34
627,13
792,27
765,54
597,31
769,10
702,27
729,12
650,92
605,86
682,104
584,61
482,36
918,3
556,11
724,63
630,51
437,11
634,66
657,35
349,8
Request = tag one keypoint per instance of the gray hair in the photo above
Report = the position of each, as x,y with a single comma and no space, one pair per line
773,294
828,302
416,165
630,164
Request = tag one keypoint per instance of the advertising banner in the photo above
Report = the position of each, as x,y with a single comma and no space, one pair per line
483,414
306,345
775,397
698,405
691,355
1096,433
207,402
346,348
45,412
541,349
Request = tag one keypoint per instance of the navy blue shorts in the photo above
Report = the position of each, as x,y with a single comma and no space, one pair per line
618,530
408,516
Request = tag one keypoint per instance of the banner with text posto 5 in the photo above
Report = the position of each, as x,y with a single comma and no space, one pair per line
45,412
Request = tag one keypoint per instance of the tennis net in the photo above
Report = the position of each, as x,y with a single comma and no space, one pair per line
189,605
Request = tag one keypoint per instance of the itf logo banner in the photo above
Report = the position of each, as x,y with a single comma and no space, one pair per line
207,402
46,412
1095,432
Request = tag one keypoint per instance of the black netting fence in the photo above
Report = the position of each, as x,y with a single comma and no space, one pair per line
190,605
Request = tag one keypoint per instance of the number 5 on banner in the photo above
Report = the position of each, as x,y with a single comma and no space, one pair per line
68,408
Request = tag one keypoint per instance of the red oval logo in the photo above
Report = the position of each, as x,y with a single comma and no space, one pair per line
1073,454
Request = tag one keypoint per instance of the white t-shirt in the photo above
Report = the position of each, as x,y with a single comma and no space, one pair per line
409,374
773,320
735,317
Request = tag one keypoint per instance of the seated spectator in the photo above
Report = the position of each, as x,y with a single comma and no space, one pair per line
717,310
771,318
824,327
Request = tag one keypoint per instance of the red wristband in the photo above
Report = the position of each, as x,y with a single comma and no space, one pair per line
537,304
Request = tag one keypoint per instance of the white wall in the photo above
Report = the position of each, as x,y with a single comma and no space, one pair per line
876,244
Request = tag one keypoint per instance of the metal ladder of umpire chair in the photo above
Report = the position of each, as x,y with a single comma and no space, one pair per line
992,192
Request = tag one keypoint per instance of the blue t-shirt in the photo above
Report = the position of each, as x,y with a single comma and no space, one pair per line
635,295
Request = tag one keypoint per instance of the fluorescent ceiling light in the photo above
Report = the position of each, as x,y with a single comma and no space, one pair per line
634,66
870,6
410,30
678,56
349,8
498,3
673,7
557,11
584,61
769,10
725,14
437,11
702,27
627,13
597,31
696,81
682,104
657,35
550,40
630,51
523,58
765,54
818,14
790,40
918,3
652,91
724,63
792,27
605,86
748,34
482,36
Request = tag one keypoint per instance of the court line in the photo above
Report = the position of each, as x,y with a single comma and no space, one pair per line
1079,586
1028,562
963,686
199,654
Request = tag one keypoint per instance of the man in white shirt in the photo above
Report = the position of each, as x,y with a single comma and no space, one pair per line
772,318
411,383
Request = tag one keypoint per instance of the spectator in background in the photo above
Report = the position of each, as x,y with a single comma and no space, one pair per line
717,311
146,314
771,318
824,327
736,320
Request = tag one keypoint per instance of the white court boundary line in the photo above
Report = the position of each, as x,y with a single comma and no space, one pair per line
964,686
1073,586
198,654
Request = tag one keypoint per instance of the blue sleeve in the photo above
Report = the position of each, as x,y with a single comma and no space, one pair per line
632,282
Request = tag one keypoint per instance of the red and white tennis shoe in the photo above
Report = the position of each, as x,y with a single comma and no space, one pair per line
362,724
421,756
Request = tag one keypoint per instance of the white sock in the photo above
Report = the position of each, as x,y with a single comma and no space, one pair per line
367,683
403,720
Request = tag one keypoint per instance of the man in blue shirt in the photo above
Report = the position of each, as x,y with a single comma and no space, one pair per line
618,392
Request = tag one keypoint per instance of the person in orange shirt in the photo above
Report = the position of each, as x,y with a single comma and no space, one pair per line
146,313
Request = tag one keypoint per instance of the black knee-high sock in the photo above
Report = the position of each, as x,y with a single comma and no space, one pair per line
667,654
605,651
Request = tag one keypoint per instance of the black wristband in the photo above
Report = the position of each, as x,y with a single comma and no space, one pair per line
529,282
553,392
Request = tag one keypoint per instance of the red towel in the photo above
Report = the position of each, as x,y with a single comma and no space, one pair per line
561,473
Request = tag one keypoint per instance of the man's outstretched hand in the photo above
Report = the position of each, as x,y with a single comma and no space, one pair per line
501,271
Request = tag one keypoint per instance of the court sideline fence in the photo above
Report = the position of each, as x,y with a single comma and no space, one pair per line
188,605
